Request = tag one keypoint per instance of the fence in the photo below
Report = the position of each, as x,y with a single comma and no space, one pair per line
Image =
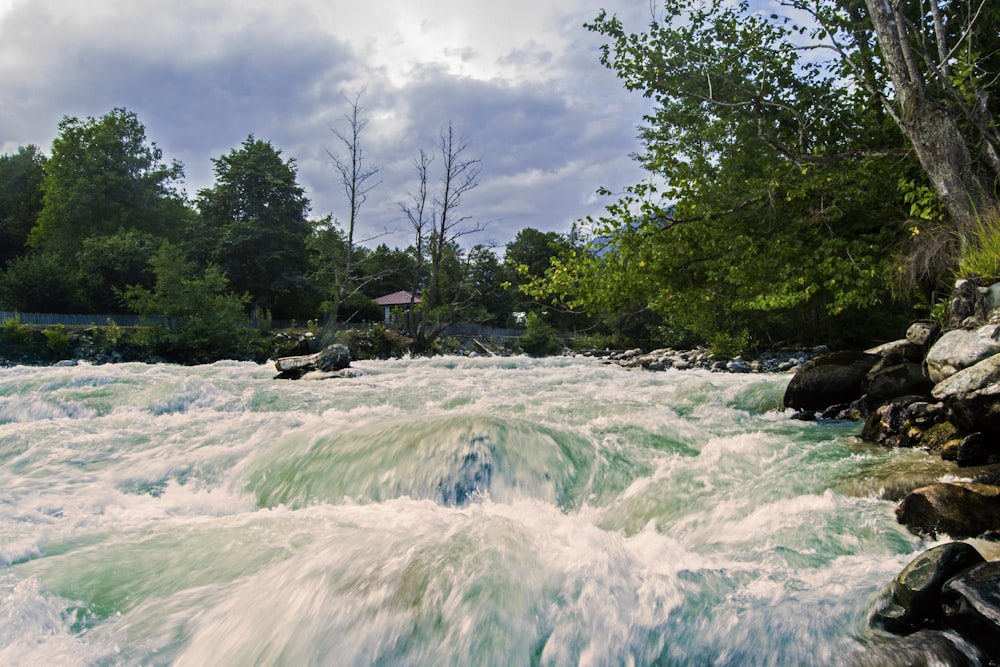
52,319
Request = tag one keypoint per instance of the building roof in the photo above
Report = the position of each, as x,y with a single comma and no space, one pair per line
401,298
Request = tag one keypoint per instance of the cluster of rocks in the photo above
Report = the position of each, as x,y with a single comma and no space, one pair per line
944,606
666,358
937,389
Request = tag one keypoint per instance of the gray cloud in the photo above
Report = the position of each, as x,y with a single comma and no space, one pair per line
550,123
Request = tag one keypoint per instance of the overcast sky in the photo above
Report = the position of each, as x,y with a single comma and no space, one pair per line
519,80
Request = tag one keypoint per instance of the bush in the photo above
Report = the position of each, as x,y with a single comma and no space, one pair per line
59,342
539,338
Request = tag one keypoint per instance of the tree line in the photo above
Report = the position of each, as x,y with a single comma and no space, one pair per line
101,224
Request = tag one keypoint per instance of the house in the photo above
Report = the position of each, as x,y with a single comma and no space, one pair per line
401,299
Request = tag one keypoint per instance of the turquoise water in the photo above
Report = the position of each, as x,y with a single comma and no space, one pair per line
433,512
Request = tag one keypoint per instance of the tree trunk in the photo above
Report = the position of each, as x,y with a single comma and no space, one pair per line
931,127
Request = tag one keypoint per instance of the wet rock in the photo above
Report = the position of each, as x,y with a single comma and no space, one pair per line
926,648
957,509
891,424
829,379
977,449
971,603
915,599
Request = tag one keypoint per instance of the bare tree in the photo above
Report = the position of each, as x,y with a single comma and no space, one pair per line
436,232
356,178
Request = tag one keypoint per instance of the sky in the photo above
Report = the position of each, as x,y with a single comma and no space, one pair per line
520,81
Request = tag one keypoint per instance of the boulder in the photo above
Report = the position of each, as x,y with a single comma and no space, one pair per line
915,599
892,377
973,396
957,509
834,378
971,603
921,649
958,349
922,333
328,362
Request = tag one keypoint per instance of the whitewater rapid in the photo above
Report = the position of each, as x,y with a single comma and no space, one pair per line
442,511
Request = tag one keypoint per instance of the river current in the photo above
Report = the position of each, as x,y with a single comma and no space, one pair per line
442,511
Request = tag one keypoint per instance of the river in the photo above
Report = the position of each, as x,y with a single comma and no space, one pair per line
442,511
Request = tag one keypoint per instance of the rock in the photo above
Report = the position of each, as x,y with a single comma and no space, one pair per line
921,333
952,509
333,358
890,424
958,349
971,603
915,599
973,396
891,377
830,379
976,450
926,648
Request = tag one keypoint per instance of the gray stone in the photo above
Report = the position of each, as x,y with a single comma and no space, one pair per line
959,349
921,333
973,395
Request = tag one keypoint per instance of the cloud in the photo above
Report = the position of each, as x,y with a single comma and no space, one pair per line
520,81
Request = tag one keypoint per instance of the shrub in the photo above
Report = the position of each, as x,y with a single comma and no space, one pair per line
539,338
58,341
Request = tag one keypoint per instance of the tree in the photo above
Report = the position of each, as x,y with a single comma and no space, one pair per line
942,61
103,176
774,209
254,228
21,176
205,319
437,227
356,179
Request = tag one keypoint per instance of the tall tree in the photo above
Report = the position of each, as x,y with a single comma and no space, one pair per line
356,179
254,228
103,176
438,225
21,176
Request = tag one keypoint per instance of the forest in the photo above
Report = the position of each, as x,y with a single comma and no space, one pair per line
821,174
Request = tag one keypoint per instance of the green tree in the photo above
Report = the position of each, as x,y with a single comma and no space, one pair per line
204,319
254,228
103,176
21,176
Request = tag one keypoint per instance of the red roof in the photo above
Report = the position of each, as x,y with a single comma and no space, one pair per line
401,298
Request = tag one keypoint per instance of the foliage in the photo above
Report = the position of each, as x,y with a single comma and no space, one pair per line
37,283
540,338
109,262
204,320
14,333
21,177
982,257
375,342
254,228
103,176
58,342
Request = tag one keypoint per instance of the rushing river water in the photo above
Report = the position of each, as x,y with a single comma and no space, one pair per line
434,512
